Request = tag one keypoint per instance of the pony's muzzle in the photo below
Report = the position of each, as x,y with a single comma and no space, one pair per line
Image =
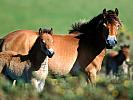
50,53
111,42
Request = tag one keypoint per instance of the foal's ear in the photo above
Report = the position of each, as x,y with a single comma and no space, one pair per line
40,31
51,31
128,46
104,12
116,11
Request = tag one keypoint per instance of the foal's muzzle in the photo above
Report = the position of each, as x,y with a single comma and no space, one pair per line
111,42
50,52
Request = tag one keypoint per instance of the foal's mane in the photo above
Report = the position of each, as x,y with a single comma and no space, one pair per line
49,31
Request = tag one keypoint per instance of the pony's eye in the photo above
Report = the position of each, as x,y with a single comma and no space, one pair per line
117,26
105,24
44,41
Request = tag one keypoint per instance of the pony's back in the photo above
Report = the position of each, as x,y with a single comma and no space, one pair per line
20,41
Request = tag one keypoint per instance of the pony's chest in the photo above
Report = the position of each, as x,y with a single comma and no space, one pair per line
42,72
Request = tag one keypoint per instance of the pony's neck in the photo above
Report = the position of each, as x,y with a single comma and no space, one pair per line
36,56
91,43
88,53
85,57
92,33
95,22
94,44
94,25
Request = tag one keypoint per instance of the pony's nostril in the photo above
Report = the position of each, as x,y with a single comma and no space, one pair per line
50,53
112,42
115,42
107,41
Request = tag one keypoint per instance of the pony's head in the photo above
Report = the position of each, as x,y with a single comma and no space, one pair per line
111,24
102,28
125,50
46,41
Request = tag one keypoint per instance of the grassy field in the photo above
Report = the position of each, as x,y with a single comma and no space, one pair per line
59,14
70,88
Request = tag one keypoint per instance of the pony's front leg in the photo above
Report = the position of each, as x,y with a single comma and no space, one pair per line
92,76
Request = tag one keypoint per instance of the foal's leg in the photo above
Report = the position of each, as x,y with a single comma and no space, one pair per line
2,65
14,83
108,70
38,84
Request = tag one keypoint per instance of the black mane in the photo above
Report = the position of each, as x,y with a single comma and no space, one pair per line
85,27
95,24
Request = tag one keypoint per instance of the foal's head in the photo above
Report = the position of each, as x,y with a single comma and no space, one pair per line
111,24
125,51
46,41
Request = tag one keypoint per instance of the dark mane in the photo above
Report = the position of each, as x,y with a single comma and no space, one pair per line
85,27
46,30
95,24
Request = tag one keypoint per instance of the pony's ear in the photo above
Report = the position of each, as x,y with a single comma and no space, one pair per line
51,31
121,46
40,31
128,46
116,11
104,12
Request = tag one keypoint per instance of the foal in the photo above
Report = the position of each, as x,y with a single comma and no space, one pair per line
32,67
114,60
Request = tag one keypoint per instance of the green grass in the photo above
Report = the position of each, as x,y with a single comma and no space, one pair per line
70,88
59,14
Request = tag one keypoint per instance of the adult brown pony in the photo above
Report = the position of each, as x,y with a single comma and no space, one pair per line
82,49
32,67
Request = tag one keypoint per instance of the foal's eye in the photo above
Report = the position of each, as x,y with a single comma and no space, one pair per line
44,41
